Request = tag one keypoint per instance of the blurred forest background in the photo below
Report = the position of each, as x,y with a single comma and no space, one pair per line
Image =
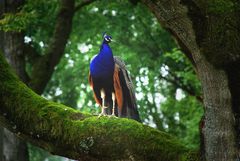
167,89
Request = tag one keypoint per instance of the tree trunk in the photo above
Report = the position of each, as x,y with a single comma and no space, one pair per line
201,33
234,84
13,50
1,143
218,129
1,50
12,147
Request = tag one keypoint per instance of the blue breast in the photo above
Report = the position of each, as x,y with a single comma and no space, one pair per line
102,65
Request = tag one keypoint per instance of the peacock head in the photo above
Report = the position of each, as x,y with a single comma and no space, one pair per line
106,38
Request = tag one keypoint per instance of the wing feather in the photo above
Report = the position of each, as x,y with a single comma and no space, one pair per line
128,99
118,88
92,86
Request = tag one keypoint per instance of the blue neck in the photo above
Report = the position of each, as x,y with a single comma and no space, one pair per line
103,64
105,51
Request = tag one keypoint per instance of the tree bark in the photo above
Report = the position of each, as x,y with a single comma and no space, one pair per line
234,84
219,133
13,49
64,131
12,44
190,23
1,50
13,147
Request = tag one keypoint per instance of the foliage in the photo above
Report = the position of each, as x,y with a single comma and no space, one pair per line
16,22
30,17
220,6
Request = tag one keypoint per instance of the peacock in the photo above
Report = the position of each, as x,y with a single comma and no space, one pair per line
111,83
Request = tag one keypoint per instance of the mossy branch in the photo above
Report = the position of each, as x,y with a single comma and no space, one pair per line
67,132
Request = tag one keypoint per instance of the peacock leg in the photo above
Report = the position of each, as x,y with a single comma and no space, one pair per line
103,95
113,107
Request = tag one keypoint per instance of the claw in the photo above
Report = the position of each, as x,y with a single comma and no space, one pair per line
112,116
101,114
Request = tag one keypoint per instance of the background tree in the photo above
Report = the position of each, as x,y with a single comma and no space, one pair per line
12,44
208,33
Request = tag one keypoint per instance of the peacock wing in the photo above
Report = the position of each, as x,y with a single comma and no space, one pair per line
124,90
97,98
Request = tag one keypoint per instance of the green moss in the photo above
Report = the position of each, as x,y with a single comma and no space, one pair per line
141,140
217,31
191,156
220,6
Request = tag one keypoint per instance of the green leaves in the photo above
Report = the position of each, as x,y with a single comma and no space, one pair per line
220,6
16,22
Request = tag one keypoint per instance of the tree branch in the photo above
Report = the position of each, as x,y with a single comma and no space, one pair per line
31,53
43,69
189,89
173,16
64,131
